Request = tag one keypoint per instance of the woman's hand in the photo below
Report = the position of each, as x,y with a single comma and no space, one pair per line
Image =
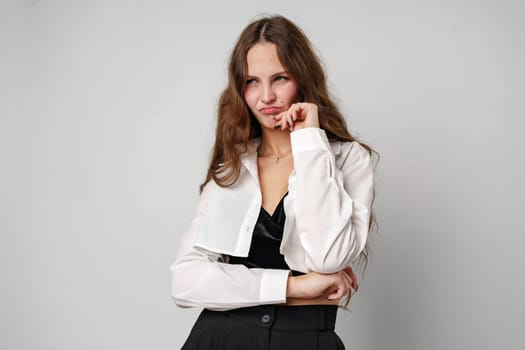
298,116
315,285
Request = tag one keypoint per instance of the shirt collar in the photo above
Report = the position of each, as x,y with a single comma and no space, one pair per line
249,158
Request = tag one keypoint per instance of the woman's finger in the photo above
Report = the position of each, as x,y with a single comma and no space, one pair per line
293,109
300,112
352,275
340,287
278,120
284,121
290,121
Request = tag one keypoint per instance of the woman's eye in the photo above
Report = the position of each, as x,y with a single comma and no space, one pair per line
281,77
250,81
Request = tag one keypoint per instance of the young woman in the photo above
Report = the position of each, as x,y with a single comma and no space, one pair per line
285,208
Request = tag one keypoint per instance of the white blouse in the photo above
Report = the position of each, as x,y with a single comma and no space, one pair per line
327,211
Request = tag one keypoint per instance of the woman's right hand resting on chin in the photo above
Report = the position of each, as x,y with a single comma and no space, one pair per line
316,288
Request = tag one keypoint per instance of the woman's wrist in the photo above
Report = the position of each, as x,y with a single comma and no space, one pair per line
291,287
295,289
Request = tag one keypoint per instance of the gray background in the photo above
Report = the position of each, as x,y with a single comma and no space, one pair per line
107,115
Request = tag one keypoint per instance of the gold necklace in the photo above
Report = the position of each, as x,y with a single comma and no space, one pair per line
277,158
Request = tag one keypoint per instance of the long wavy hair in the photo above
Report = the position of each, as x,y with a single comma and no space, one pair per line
236,125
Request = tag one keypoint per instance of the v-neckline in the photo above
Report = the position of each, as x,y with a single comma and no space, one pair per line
281,202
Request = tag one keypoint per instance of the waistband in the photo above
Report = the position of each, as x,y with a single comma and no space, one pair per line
287,318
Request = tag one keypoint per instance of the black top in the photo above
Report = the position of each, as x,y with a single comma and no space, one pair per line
266,240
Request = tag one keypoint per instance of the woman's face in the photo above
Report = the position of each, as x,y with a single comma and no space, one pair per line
269,90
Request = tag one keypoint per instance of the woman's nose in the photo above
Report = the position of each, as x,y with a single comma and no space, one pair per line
267,94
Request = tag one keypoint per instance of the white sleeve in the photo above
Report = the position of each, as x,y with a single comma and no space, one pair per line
332,207
199,279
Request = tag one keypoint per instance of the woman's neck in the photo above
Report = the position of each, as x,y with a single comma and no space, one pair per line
275,143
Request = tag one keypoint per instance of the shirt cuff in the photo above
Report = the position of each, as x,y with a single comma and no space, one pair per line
273,286
309,139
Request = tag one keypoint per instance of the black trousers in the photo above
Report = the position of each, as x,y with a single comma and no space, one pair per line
266,327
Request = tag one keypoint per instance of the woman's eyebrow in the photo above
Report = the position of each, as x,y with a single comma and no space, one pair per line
249,76
280,73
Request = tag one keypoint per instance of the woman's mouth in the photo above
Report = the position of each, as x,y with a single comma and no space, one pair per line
270,110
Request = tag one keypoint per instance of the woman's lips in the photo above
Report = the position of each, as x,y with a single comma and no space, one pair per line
270,110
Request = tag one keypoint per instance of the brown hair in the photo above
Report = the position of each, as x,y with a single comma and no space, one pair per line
236,125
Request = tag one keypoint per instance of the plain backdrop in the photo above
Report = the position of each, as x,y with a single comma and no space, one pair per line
107,117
